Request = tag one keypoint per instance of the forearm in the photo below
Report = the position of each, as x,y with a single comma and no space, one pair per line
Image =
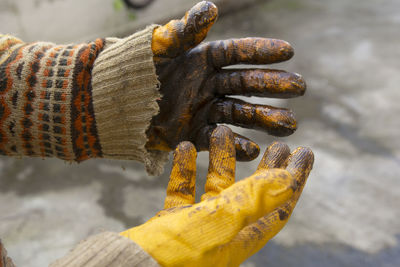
106,249
47,102
77,102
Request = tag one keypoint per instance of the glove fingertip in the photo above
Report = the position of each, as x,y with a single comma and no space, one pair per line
300,163
185,146
302,157
202,14
198,21
222,132
185,152
274,156
246,149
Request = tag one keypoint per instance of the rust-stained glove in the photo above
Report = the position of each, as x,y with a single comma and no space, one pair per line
195,85
232,221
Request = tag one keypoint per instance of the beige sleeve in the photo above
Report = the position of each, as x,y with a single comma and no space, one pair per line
106,250
125,94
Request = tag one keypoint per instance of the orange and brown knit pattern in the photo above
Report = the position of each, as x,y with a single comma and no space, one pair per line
46,106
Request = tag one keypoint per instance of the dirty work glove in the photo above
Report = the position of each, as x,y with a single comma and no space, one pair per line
232,221
195,86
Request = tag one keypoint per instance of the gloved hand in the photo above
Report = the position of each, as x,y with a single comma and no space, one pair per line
195,85
232,221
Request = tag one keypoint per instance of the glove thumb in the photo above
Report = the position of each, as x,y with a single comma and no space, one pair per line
178,36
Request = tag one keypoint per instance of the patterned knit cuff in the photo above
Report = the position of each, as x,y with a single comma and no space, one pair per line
46,101
125,91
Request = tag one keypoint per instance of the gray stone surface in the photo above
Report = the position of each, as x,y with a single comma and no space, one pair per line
348,214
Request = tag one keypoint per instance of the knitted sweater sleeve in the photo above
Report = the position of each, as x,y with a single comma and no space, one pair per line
77,102
106,249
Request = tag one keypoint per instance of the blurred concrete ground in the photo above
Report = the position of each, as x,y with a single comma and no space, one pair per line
348,51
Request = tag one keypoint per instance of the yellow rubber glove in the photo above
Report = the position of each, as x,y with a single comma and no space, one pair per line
232,221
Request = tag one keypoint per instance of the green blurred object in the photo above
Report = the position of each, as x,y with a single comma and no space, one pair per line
132,16
118,5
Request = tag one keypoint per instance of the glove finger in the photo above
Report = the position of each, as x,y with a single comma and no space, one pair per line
299,164
262,83
247,51
246,149
222,162
253,237
275,156
256,235
182,183
275,121
178,36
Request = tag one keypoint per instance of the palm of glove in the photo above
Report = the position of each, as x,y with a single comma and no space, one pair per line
194,85
233,221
